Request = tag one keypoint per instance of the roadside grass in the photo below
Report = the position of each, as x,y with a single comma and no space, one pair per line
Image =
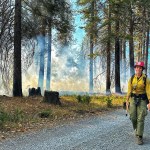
22,113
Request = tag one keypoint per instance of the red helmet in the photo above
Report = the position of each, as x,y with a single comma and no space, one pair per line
140,63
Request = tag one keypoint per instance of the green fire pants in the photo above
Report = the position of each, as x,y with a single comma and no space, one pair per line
137,115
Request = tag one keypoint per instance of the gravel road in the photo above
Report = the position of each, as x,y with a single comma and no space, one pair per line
110,131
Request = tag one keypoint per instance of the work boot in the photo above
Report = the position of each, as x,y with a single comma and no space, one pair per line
139,140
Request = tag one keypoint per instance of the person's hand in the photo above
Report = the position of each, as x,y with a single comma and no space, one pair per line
148,106
127,105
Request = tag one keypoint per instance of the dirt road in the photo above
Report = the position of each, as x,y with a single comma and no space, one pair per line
110,131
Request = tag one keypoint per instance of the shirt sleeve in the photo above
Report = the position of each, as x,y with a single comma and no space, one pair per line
129,88
148,88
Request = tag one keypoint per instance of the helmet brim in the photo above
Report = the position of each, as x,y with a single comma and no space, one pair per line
139,66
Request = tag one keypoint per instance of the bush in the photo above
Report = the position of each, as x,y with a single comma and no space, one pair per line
4,117
79,98
17,116
45,113
86,99
109,102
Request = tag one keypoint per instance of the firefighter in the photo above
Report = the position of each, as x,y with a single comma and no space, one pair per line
138,99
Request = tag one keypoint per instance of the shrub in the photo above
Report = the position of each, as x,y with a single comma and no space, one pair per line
45,113
17,116
4,117
109,102
86,99
79,98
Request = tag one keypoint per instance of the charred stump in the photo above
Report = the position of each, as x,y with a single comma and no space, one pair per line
52,97
35,92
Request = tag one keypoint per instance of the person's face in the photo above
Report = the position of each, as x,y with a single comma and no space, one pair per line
138,70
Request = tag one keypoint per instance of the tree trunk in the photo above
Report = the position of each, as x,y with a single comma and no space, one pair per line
124,61
144,35
51,97
41,41
147,47
48,78
91,53
35,92
121,59
91,64
144,45
139,53
131,45
17,74
117,58
108,82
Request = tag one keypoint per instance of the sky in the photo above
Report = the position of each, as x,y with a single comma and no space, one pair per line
79,33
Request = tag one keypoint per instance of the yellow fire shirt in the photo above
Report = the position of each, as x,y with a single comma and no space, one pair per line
138,87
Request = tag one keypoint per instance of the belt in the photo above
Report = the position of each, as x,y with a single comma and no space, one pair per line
143,96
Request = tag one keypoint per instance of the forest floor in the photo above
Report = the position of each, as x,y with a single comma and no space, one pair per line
26,114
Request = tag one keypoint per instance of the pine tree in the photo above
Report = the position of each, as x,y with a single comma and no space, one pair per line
17,75
90,13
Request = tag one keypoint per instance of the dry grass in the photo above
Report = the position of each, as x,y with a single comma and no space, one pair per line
27,109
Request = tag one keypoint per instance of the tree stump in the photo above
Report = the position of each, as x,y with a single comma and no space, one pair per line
52,97
35,92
